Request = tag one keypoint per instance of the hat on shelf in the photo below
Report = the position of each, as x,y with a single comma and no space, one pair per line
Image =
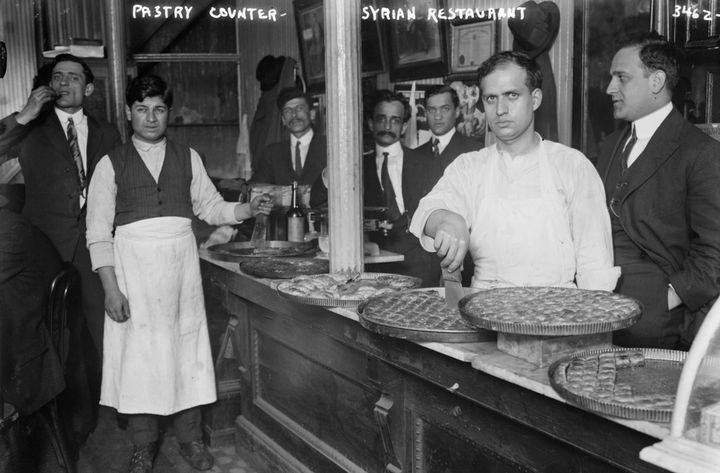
536,32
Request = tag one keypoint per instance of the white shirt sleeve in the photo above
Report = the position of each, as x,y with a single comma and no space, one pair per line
101,214
207,202
591,230
453,191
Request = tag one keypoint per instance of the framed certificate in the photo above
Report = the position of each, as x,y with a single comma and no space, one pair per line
471,44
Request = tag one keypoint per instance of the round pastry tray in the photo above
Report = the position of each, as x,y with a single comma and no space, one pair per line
238,251
418,314
391,282
284,268
547,311
662,369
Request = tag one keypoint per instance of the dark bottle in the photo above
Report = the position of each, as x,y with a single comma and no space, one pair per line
295,218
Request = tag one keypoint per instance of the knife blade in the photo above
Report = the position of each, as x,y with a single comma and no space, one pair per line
453,288
259,234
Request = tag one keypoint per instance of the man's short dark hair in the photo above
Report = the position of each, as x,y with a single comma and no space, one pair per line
289,93
656,54
442,89
142,87
385,95
533,76
66,57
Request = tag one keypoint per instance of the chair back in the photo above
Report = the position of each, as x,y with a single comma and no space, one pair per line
63,298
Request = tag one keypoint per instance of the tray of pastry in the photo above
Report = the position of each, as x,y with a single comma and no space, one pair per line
551,311
420,315
343,289
632,383
238,251
284,268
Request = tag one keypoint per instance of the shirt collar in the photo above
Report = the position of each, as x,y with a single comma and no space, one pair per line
646,126
445,139
394,149
63,116
145,146
304,139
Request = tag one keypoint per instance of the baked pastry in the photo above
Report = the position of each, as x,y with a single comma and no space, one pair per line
284,268
549,310
344,287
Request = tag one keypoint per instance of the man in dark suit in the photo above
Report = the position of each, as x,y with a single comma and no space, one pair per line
303,156
662,182
397,178
442,109
59,148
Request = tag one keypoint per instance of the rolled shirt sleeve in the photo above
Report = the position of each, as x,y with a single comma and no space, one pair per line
101,214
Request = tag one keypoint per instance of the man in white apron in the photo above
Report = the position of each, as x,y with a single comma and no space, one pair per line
532,212
157,359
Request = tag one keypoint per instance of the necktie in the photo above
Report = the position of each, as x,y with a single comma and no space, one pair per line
298,159
75,149
627,149
436,147
393,212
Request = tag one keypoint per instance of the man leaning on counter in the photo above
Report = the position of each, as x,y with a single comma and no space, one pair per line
662,180
531,211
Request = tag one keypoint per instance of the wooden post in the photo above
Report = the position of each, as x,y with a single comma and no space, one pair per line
344,139
115,46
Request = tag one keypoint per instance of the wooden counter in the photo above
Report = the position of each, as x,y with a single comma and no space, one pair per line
320,393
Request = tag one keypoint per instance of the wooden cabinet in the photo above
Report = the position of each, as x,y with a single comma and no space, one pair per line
320,393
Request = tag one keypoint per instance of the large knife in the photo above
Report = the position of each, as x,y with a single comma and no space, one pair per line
453,288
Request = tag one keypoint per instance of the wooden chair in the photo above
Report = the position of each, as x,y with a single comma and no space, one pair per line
61,300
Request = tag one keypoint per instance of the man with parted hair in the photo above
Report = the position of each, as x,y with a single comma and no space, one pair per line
662,184
531,211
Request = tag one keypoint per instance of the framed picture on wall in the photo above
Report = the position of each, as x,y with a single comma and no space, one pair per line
311,40
471,43
373,57
417,46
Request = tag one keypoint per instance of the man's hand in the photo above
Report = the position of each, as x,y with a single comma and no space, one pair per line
34,105
221,235
117,306
451,236
262,204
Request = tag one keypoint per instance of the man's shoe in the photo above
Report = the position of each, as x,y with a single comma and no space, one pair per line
197,455
142,458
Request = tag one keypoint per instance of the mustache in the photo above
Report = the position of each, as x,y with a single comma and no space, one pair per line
387,133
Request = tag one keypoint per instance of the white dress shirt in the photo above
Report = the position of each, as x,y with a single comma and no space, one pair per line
81,127
395,165
304,146
444,140
645,128
207,203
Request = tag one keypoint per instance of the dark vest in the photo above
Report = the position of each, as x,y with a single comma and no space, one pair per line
140,197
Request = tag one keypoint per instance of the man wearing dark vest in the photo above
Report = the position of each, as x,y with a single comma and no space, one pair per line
59,146
157,359
662,182
303,156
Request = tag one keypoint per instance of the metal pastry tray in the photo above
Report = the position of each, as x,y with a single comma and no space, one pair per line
659,377
238,251
419,315
284,268
285,288
515,310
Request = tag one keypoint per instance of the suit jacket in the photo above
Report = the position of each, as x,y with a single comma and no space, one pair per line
51,184
671,206
419,175
277,165
458,145
30,371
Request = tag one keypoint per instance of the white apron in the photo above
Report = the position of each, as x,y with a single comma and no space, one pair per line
522,238
158,361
